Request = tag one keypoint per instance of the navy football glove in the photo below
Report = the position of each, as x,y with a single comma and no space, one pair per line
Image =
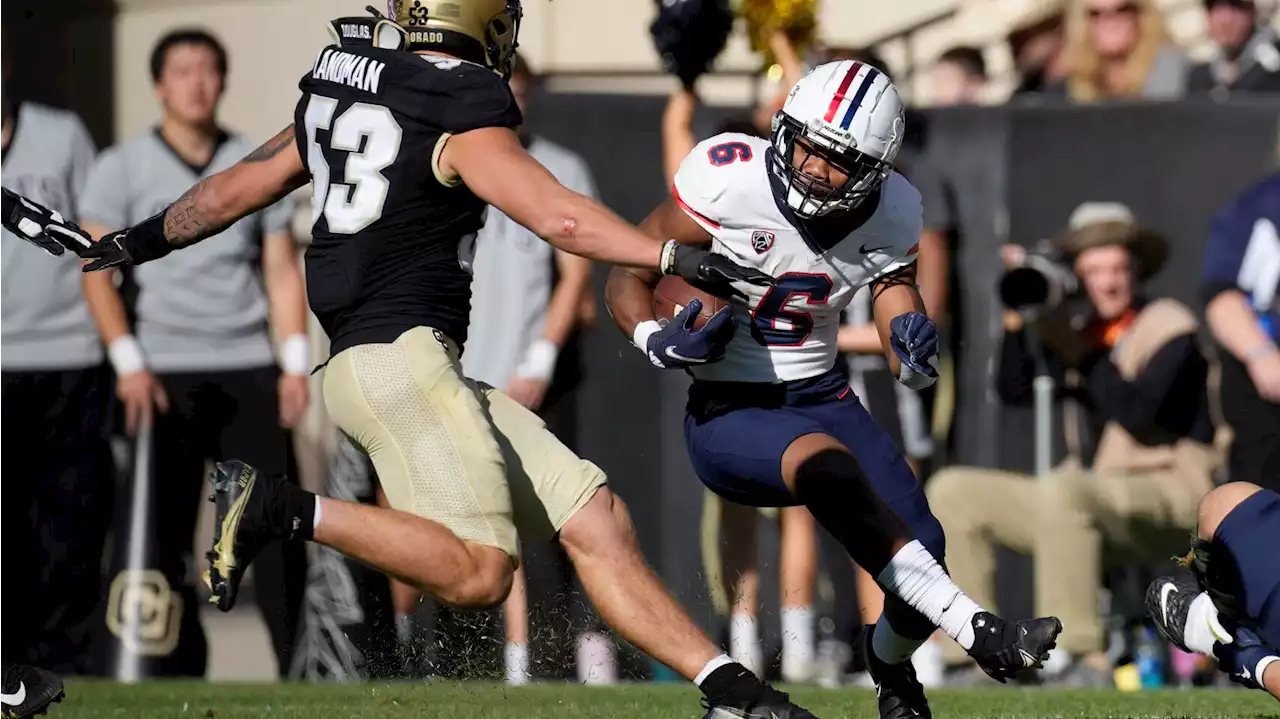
678,345
914,338
43,227
1245,658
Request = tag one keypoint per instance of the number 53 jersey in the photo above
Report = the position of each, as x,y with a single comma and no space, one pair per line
728,184
392,239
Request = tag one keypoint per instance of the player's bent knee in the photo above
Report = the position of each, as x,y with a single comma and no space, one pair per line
602,524
1218,503
486,585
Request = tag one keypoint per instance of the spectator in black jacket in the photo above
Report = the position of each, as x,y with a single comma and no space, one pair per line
1246,55
1135,367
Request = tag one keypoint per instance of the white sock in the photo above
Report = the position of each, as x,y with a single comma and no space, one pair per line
315,518
797,642
1059,661
744,641
1203,626
915,576
713,664
404,627
596,662
517,660
891,647
928,664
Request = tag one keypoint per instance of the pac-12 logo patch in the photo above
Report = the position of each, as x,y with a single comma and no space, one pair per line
761,241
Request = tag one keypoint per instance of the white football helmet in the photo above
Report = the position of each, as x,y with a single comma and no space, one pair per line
848,114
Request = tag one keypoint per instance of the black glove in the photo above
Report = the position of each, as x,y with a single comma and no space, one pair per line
678,345
43,227
131,246
711,273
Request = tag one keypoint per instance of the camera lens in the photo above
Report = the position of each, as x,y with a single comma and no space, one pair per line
1024,287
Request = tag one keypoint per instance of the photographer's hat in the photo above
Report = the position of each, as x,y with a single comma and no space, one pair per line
1096,224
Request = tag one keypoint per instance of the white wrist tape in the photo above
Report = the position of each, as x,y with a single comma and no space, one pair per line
643,331
539,360
667,260
295,354
1263,663
916,380
125,355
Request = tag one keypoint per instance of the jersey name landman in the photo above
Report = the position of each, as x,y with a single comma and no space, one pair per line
361,73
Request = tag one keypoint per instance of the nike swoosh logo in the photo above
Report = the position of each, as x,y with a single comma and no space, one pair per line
16,698
863,249
681,358
1165,591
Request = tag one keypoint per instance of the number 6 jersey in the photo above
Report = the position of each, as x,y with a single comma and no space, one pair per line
788,332
391,241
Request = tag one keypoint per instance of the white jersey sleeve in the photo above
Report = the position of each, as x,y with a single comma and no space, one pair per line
711,176
894,233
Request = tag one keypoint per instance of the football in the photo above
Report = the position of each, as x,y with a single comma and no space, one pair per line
673,294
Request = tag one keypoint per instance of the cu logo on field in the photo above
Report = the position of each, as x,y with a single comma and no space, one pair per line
762,241
144,613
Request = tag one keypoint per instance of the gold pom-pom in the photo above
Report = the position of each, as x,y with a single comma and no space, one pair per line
797,18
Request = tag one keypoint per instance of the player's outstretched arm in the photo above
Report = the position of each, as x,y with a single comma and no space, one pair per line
495,166
629,292
499,171
215,203
907,334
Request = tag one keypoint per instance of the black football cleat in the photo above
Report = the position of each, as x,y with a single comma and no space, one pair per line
769,704
1005,649
1169,605
241,528
898,692
28,691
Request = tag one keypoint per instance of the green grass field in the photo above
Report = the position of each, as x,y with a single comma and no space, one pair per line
470,700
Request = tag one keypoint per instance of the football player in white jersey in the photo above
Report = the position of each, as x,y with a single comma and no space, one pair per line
771,420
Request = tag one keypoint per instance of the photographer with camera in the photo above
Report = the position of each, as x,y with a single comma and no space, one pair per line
1131,368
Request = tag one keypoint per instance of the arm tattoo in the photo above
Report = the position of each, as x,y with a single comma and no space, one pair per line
184,223
272,147
188,221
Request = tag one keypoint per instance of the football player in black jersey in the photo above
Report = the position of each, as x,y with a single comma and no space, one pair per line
405,130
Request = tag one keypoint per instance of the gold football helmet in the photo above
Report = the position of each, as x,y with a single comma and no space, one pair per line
479,30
